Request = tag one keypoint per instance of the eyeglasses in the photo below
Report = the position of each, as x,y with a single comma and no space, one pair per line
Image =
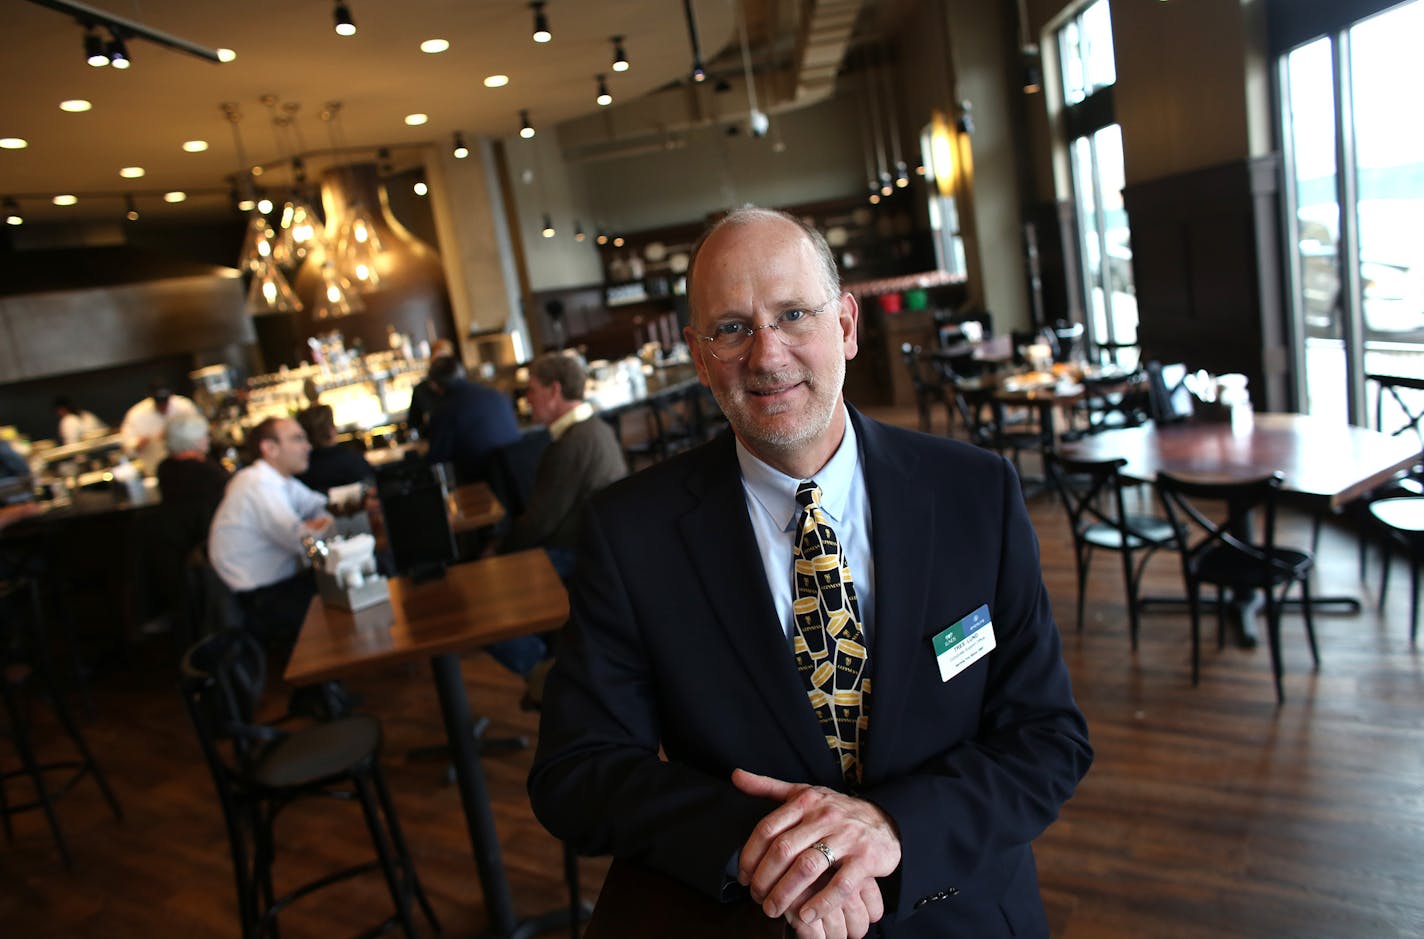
731,341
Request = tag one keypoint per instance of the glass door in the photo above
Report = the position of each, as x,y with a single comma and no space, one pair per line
1355,205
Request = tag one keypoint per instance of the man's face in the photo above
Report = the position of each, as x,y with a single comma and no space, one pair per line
780,400
289,452
543,400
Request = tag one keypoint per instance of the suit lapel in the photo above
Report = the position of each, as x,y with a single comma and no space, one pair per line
719,538
902,579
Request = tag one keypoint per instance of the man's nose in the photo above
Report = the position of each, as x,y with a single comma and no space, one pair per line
765,346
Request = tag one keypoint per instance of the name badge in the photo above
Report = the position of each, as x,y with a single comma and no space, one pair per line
964,643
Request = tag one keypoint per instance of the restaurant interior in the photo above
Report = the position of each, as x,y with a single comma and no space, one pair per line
1126,243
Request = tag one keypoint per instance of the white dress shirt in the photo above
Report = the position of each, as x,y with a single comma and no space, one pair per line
75,426
256,536
771,503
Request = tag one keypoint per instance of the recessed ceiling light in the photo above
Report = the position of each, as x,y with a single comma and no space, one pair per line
246,205
434,46
174,196
420,188
131,172
226,55
496,81
13,143
75,105
65,200
415,120
195,146
257,169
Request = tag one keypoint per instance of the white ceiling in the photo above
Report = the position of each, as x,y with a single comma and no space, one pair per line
288,48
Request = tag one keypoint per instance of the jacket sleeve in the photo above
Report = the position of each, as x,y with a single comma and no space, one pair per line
598,781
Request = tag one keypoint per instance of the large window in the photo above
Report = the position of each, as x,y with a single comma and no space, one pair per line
1085,54
1355,195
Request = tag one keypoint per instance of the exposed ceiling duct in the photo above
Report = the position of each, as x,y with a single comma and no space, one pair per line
797,61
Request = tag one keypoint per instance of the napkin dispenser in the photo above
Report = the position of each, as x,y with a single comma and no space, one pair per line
345,571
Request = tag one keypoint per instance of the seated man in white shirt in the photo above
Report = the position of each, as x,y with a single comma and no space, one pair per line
255,543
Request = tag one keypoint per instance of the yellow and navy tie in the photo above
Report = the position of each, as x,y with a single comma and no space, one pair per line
829,644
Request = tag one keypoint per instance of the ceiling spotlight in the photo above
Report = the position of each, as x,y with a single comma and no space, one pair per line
341,16
526,129
75,105
541,22
604,98
434,46
118,52
620,58
1032,73
132,213
12,213
601,237
13,143
226,55
94,48
246,205
618,241
264,205
578,231
699,74
415,120
548,230
65,200
460,151
132,172
902,175
420,188
194,146
174,196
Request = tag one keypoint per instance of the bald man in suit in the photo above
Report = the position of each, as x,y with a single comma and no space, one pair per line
864,746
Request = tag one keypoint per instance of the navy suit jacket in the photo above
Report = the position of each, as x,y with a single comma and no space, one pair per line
472,421
674,643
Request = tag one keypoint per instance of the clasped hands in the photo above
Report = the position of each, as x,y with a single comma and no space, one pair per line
790,875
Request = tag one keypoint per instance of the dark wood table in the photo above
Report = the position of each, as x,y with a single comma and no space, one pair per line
471,606
1324,461
639,901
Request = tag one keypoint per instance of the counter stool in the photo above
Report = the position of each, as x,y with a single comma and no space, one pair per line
25,665
261,769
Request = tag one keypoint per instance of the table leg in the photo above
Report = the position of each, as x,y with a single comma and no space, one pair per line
474,795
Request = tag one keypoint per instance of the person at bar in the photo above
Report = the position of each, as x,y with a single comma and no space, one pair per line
75,423
583,458
144,423
255,543
471,422
711,711
424,399
330,464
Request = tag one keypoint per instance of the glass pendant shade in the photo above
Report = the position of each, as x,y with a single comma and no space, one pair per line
357,247
298,232
256,244
336,297
270,292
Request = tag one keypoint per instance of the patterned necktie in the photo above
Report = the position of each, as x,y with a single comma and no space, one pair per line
829,644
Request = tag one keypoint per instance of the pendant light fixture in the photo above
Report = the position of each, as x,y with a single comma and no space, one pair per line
541,22
1029,59
116,50
526,129
270,292
699,72
458,150
298,227
341,19
132,208
757,122
12,213
94,52
902,171
604,99
355,244
336,297
620,58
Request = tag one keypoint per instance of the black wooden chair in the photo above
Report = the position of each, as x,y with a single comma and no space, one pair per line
1168,399
1224,553
262,769
26,674
1402,520
929,387
1092,494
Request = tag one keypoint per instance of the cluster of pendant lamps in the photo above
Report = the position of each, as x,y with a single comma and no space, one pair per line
345,249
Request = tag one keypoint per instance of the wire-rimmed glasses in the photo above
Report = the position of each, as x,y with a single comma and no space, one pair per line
731,340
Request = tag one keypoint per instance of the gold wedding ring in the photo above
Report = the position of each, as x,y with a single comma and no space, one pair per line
826,852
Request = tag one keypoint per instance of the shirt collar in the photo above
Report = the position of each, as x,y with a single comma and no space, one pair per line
580,412
775,492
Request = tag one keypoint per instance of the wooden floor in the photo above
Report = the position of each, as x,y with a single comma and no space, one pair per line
1209,812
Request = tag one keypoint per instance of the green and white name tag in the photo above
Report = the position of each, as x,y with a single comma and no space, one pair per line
964,643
